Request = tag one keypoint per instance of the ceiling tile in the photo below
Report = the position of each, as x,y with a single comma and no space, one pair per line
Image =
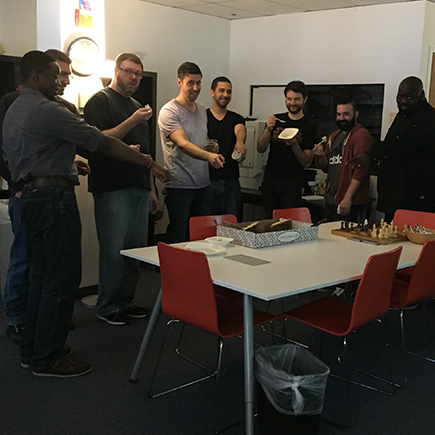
235,9
177,3
262,7
316,5
219,10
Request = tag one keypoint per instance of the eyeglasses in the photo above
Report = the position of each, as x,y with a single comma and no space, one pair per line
131,73
66,75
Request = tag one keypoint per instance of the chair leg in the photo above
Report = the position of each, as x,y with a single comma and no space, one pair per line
349,393
178,352
371,375
283,335
150,394
425,342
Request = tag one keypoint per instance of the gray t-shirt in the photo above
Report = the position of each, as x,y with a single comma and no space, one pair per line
40,138
190,173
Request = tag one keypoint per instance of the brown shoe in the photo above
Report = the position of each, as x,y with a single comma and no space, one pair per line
64,367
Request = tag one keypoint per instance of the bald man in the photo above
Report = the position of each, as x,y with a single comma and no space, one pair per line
406,178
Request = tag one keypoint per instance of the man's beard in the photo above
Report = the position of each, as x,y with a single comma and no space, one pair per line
346,125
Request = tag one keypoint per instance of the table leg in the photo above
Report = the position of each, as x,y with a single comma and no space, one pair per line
147,336
249,363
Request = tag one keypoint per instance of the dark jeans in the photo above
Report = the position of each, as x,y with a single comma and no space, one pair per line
182,204
226,197
52,216
17,278
279,194
357,213
121,218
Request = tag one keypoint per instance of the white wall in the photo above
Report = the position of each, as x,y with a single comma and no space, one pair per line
428,45
374,44
164,38
17,26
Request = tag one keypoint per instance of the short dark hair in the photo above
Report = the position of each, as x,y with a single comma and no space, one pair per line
58,55
296,86
34,60
128,56
219,79
188,68
345,99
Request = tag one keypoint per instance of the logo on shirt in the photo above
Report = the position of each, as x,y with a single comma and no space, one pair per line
335,160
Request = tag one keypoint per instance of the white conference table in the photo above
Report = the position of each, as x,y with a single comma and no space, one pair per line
290,269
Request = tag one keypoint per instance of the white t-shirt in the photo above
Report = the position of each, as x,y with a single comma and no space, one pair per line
189,172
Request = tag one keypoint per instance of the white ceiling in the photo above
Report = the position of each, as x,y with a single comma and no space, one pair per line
237,9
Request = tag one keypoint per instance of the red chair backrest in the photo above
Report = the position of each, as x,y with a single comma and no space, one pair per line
301,214
411,217
422,283
372,298
187,288
201,227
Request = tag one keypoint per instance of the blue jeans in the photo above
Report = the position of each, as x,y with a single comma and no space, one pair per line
53,219
226,197
182,204
17,278
121,218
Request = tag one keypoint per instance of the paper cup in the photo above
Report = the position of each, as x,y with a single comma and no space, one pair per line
236,156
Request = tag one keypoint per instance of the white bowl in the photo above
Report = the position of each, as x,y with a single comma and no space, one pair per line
202,246
288,133
220,241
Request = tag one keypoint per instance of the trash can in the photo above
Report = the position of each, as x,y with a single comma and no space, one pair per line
291,384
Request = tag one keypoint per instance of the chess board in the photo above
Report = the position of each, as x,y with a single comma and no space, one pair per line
357,233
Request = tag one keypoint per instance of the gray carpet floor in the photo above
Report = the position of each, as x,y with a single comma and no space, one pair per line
105,403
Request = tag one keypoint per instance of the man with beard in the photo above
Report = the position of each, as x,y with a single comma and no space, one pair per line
229,129
284,174
347,187
183,131
123,193
406,178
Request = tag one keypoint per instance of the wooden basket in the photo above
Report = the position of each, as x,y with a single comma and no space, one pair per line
419,238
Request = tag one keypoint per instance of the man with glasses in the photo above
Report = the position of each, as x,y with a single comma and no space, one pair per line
124,194
406,178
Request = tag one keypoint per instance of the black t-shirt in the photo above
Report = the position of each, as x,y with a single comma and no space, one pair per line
105,110
223,131
282,163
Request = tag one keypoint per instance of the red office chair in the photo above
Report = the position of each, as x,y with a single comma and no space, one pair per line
372,300
411,217
190,298
419,287
201,227
301,214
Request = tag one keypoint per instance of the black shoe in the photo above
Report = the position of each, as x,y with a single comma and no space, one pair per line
117,318
64,367
15,333
25,360
136,312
